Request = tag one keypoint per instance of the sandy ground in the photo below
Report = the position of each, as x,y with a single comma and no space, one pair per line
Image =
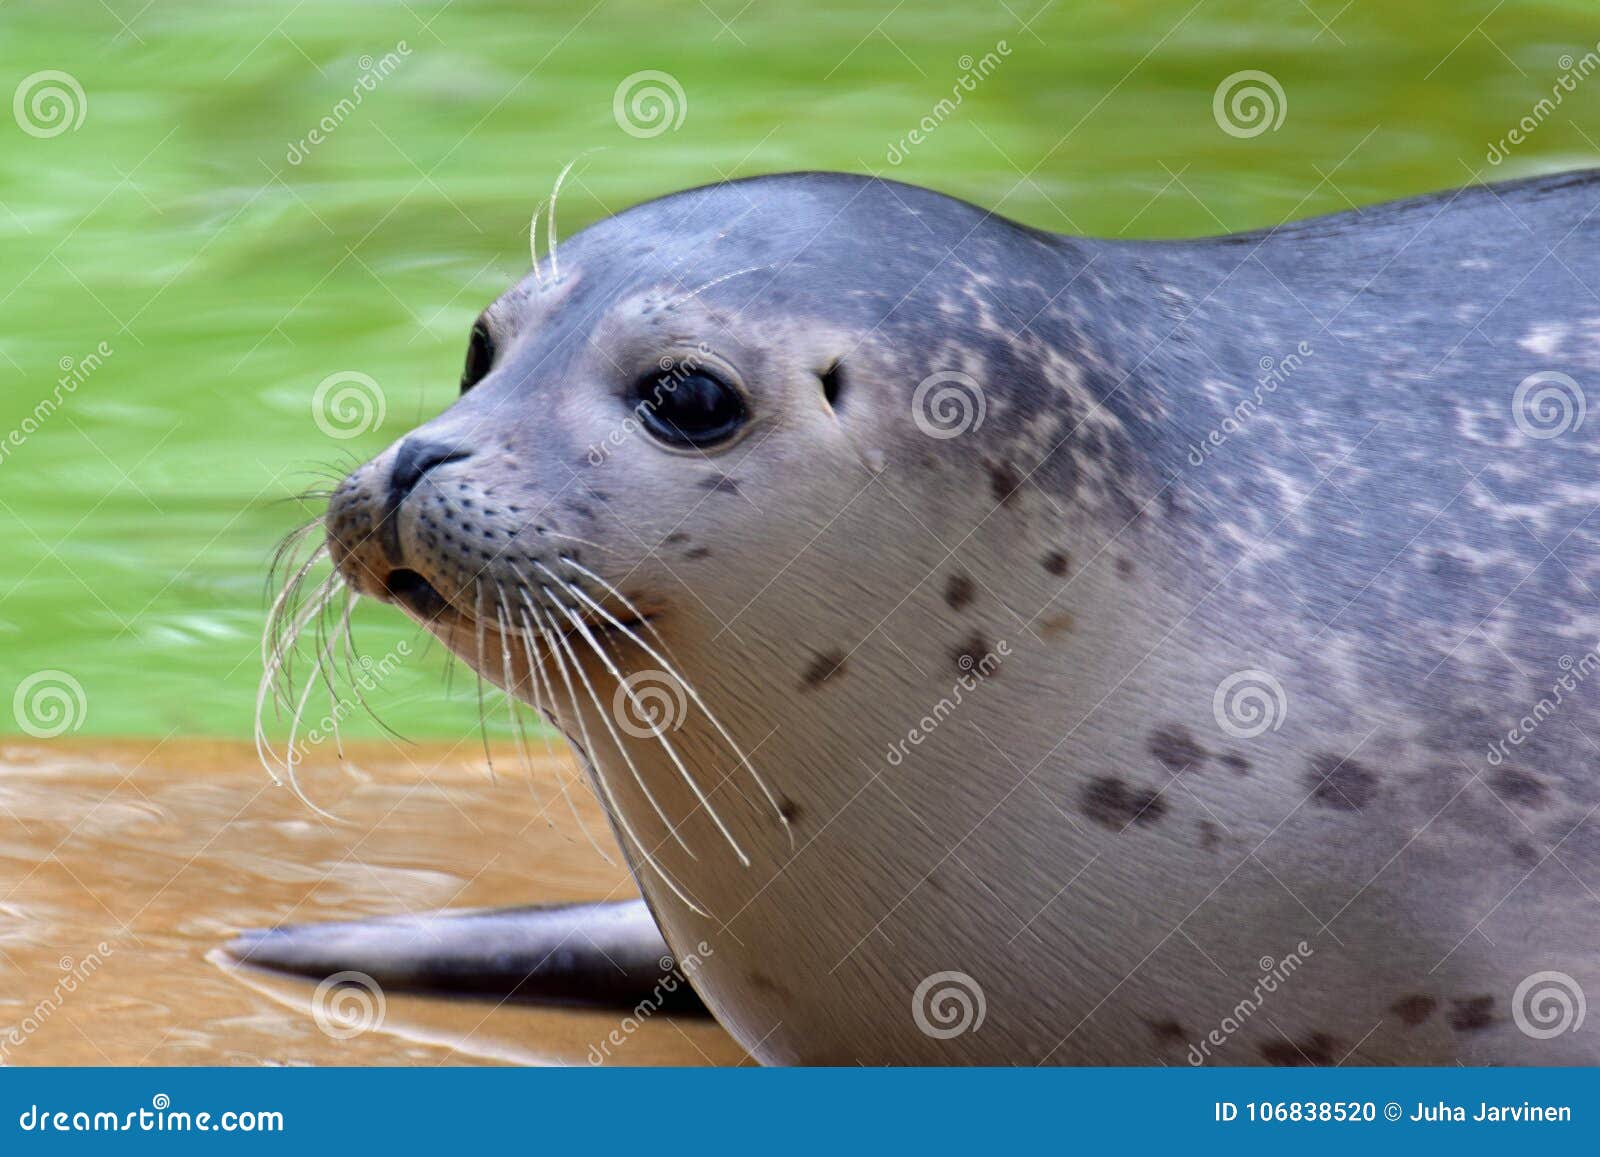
123,865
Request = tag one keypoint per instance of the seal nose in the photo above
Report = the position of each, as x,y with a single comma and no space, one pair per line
412,462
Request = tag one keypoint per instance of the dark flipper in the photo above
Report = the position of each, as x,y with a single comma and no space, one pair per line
608,955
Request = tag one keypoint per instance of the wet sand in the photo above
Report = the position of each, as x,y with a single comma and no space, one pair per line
124,865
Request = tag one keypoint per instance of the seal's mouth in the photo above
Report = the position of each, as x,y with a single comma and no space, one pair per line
413,592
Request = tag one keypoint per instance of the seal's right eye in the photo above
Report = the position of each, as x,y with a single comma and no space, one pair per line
480,356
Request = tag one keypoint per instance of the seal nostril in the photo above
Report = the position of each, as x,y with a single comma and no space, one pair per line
414,459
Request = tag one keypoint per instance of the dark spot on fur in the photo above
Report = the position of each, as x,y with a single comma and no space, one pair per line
720,484
1125,567
674,538
1058,562
959,591
1525,853
1413,1010
788,809
697,552
1004,481
970,653
1111,803
1516,786
1342,784
1472,1013
1210,835
823,668
764,983
1167,1032
1176,748
1234,762
1317,1049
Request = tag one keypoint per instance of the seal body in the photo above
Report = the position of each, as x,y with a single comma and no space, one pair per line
1081,652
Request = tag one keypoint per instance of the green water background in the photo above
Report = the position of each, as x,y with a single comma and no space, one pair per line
137,519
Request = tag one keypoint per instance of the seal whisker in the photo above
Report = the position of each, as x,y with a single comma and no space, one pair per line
669,667
536,680
618,815
559,639
517,729
550,222
690,296
477,669
533,245
645,714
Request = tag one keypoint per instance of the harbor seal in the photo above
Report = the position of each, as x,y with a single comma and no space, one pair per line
998,646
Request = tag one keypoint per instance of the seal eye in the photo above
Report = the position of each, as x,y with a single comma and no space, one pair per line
480,356
697,409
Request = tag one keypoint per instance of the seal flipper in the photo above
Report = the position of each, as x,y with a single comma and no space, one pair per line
604,954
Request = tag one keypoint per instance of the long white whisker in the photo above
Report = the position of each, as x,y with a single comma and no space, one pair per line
537,679
533,246
555,636
550,223
655,728
667,666
510,683
615,809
